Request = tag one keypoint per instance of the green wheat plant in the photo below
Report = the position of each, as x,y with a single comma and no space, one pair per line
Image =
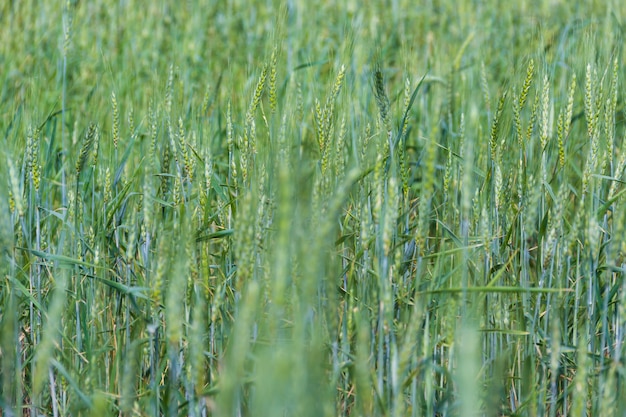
258,209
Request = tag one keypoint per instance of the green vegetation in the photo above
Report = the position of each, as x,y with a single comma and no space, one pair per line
247,209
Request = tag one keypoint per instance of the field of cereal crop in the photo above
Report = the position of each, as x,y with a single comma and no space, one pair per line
264,208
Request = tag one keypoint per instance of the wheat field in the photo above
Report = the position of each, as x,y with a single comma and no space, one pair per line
292,209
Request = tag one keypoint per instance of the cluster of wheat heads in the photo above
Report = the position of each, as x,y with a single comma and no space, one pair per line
321,237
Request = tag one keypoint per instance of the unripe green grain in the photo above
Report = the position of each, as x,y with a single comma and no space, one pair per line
243,158
192,154
160,275
177,192
339,160
609,136
152,120
517,120
545,113
169,91
609,121
530,70
590,106
131,243
319,123
493,138
428,184
108,192
461,148
560,132
619,173
205,101
131,122
272,81
477,211
147,206
174,149
187,174
208,175
88,142
15,187
365,141
258,92
533,118
382,101
165,168
378,183
498,188
402,157
34,169
485,87
116,120
407,103
230,141
447,176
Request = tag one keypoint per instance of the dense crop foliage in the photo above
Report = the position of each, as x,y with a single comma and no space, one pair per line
368,209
